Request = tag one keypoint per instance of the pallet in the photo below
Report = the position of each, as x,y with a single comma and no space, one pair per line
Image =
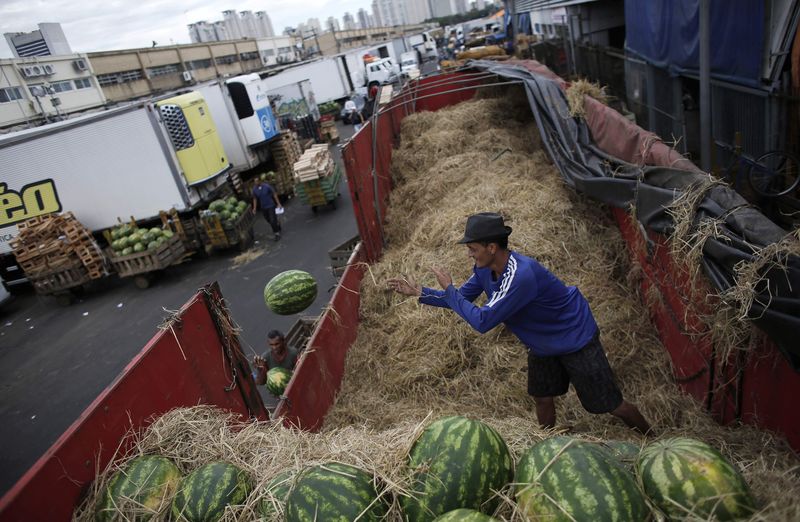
320,191
166,254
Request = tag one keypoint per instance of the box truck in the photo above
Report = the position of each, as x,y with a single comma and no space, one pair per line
130,161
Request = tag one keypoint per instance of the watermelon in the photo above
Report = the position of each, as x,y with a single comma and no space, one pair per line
465,515
683,476
152,245
274,500
231,200
216,205
290,292
114,234
565,479
277,379
625,452
456,463
138,247
167,234
127,251
143,488
334,492
156,231
206,491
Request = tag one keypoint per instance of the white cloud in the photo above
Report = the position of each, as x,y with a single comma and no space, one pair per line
100,25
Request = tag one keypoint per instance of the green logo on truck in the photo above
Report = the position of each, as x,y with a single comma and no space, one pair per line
34,199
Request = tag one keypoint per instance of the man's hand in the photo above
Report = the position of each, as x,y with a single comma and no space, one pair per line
405,286
443,277
259,362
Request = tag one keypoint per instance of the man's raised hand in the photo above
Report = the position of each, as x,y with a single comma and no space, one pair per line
405,286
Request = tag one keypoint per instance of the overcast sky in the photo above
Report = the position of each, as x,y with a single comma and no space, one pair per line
101,25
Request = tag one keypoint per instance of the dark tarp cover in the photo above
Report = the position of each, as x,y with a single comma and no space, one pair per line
666,33
589,170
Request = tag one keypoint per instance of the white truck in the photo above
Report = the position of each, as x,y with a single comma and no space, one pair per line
130,161
336,77
425,44
409,66
244,118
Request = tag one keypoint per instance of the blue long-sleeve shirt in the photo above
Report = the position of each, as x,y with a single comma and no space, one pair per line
549,317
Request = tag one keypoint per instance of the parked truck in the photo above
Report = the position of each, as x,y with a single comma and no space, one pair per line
130,161
67,470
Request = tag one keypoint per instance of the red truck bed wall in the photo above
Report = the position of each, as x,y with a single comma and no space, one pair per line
181,366
756,387
317,377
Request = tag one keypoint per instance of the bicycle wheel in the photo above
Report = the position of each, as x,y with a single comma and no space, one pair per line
774,174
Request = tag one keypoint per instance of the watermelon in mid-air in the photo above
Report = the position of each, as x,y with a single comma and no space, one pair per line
290,292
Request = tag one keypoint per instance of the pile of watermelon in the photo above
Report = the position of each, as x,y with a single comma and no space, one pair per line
458,469
229,210
148,487
127,239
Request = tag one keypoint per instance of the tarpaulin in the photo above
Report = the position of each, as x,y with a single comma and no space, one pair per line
666,33
592,171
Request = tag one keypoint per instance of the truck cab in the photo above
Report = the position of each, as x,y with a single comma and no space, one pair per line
380,72
425,45
409,66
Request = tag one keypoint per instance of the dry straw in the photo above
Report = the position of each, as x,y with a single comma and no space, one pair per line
577,92
412,363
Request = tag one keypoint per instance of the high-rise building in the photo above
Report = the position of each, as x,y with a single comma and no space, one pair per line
332,24
314,25
480,4
233,26
441,8
376,14
392,12
202,32
461,6
416,11
231,19
363,19
265,23
348,21
48,40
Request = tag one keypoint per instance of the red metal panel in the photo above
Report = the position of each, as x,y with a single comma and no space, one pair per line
318,375
184,365
692,356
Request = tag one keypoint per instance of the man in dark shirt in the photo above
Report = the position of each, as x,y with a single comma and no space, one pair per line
279,355
551,319
264,196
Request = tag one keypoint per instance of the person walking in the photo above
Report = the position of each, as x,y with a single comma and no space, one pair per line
265,197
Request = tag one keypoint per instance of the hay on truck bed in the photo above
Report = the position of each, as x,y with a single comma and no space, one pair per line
412,364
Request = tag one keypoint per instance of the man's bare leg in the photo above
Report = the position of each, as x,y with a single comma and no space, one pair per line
546,412
631,416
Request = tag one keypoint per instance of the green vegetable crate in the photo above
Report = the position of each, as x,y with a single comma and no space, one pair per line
143,264
320,192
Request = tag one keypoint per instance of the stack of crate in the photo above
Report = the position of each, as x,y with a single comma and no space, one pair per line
55,243
328,131
315,163
285,151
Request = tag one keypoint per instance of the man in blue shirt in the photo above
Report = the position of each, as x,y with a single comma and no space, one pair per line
264,196
551,319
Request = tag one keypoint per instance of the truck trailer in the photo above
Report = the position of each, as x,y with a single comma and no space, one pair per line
130,161
181,366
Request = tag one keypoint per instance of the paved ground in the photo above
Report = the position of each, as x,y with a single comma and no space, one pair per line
55,360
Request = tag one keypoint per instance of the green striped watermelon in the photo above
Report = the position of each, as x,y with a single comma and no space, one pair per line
290,292
277,379
334,492
141,489
206,491
683,476
464,515
456,463
274,498
625,452
564,479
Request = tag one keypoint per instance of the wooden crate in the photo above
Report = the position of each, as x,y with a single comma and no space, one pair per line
340,255
219,235
166,254
60,281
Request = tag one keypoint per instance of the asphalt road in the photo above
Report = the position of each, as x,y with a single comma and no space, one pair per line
55,360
